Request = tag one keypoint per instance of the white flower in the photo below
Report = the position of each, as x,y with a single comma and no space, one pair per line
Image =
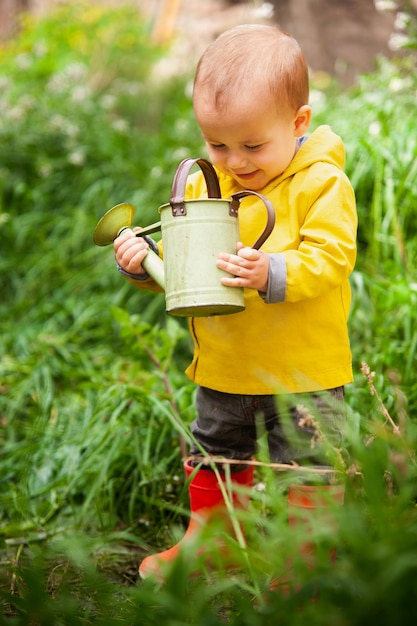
57,83
45,170
23,61
188,91
120,125
397,84
71,130
180,153
374,128
16,113
385,5
156,171
40,49
401,20
129,88
397,41
181,125
108,101
77,157
27,101
5,82
70,75
57,122
76,72
317,97
80,93
4,217
265,11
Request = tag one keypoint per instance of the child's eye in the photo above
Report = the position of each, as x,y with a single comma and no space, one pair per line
217,146
254,148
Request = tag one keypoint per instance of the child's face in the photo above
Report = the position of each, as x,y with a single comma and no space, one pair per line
248,141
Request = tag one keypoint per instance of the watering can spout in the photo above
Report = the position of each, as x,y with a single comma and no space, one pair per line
114,222
154,266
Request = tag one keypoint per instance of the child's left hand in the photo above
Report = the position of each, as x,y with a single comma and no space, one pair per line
249,268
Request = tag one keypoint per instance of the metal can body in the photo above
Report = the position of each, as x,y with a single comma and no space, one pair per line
192,243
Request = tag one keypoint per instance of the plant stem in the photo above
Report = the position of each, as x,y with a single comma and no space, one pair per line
168,388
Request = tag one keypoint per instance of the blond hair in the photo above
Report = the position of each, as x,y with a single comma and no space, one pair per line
256,60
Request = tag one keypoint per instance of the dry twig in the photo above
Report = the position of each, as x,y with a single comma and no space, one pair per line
366,371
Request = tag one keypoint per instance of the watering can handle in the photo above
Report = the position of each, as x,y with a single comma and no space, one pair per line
180,180
213,191
270,222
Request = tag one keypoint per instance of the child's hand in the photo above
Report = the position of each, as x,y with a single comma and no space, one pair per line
130,251
249,268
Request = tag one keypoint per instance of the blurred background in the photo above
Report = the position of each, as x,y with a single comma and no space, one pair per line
341,37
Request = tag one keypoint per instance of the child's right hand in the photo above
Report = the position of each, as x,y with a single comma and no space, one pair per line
130,251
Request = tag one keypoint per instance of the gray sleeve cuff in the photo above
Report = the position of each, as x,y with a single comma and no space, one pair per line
277,280
143,276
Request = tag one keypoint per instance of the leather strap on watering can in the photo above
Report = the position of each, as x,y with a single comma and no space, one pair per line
213,190
270,222
180,180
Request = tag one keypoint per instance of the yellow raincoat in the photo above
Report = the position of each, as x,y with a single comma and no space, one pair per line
294,338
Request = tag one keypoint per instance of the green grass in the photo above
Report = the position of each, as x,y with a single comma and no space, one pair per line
93,399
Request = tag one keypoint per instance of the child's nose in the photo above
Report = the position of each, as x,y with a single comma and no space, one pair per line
236,161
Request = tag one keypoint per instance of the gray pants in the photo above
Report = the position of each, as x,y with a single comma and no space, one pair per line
298,427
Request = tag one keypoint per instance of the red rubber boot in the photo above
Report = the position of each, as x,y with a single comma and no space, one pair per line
308,506
206,502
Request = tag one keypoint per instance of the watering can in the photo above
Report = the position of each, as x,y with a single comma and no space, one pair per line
194,232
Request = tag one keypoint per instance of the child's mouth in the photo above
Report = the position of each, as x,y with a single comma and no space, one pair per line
247,176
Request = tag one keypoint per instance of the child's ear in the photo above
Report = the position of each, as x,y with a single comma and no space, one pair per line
302,120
